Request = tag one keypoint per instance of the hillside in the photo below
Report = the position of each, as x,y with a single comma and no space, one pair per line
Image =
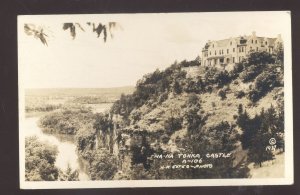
227,117
162,112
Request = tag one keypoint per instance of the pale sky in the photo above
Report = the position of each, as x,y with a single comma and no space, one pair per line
147,42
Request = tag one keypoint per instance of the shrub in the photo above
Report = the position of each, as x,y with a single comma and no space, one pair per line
240,94
177,88
265,82
222,94
173,124
235,82
165,138
254,95
260,58
213,104
163,97
222,78
250,73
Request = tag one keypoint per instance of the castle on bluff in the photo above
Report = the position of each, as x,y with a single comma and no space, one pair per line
227,52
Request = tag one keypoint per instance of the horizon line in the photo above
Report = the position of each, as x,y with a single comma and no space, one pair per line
79,87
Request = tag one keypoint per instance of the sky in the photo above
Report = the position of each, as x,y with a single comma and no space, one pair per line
144,43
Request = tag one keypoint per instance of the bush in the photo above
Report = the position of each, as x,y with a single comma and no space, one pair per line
260,58
163,97
213,104
222,94
253,95
239,67
266,81
263,84
250,73
222,78
173,124
239,94
177,88
165,138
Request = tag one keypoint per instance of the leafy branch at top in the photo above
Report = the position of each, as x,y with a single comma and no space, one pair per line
37,32
99,29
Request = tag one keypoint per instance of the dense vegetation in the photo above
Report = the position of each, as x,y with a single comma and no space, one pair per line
40,159
40,163
171,111
66,121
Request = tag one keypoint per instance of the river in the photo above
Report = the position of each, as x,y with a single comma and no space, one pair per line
66,148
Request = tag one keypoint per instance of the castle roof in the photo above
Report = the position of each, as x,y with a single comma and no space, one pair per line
225,42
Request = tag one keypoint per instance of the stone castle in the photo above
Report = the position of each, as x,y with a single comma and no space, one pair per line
225,53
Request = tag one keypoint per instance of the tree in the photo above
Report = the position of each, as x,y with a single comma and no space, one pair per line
39,160
177,88
103,166
222,78
192,115
260,58
256,134
173,124
279,52
69,174
222,94
257,150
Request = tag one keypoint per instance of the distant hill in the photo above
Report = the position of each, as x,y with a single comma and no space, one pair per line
51,92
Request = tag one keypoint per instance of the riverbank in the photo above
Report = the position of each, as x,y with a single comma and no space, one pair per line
67,152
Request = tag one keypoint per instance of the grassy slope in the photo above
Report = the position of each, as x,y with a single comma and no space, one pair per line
218,110
270,169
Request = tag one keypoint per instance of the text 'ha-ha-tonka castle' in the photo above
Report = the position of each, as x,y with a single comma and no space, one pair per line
225,53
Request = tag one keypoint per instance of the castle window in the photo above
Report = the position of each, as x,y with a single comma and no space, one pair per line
256,48
233,59
213,45
215,53
252,41
227,51
230,42
210,53
266,43
233,49
250,48
242,49
255,41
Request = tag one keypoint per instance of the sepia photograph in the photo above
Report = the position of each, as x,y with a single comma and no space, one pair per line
155,100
